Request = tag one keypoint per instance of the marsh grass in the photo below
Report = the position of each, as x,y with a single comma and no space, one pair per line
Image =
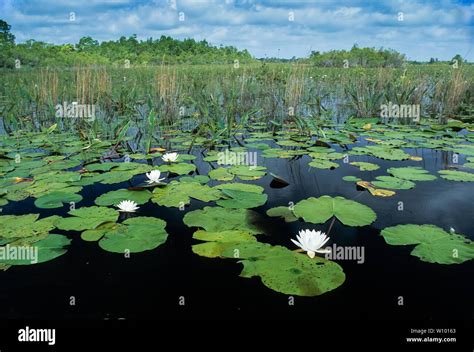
218,97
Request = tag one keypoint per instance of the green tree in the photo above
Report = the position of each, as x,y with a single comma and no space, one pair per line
6,38
87,44
457,59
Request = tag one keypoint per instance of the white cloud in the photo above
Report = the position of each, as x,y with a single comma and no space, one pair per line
262,27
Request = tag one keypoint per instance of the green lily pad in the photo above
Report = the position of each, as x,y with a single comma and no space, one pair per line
454,175
320,149
197,191
122,172
17,195
87,218
286,271
46,249
203,179
323,164
185,157
290,143
178,168
364,166
56,200
135,235
221,174
170,196
245,172
176,194
246,187
381,152
224,236
20,226
434,245
211,158
242,199
412,173
211,249
115,197
221,219
319,210
391,182
260,146
351,179
283,212
101,166
99,232
296,274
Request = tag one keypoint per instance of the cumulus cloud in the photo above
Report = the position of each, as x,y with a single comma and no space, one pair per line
439,28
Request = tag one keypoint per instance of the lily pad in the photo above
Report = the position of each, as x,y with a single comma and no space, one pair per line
221,219
412,173
392,182
224,236
202,179
283,212
434,245
286,271
351,178
323,164
383,152
47,249
221,174
56,199
135,235
246,187
364,166
245,172
319,210
87,218
169,196
20,226
197,191
242,199
454,175
178,168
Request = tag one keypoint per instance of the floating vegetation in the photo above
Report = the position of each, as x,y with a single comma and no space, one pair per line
283,212
433,244
411,173
229,205
363,166
319,210
392,182
454,175
133,235
375,191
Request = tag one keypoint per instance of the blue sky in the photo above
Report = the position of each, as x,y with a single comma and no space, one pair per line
437,28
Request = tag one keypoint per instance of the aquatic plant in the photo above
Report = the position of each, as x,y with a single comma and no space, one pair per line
311,241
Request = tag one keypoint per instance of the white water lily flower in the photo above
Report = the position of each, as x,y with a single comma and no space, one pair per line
154,176
311,242
127,206
452,230
170,157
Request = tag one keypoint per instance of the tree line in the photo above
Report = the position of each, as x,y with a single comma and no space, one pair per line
131,51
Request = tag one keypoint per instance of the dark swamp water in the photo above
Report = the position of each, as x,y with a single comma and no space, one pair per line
150,285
